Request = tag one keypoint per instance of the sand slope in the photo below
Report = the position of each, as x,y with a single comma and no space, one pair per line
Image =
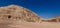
31,25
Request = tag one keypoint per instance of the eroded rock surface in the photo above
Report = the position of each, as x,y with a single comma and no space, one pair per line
13,14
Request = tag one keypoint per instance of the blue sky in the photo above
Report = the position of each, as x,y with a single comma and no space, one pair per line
44,8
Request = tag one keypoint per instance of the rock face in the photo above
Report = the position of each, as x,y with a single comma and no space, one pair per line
17,13
55,19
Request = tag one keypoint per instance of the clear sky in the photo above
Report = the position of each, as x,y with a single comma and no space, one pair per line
44,8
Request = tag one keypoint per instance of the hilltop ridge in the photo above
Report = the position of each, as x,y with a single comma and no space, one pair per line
18,13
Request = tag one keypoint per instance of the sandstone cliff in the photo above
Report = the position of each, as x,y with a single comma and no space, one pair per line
17,13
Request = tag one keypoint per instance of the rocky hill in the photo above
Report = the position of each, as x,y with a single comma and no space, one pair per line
13,13
54,19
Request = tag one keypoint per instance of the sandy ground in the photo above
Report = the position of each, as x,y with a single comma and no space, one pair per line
31,25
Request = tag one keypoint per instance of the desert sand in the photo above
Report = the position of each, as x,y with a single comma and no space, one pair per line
31,25
14,16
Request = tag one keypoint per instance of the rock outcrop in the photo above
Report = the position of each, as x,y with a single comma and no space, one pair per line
55,19
17,13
